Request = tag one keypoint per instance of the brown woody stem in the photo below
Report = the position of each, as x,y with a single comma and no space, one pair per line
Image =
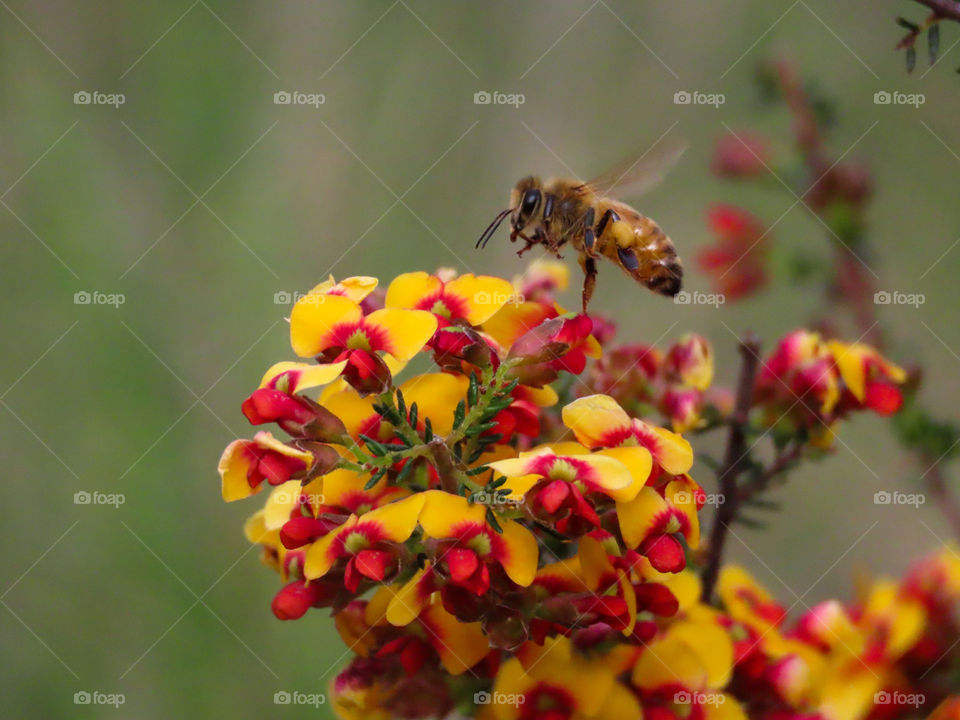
733,462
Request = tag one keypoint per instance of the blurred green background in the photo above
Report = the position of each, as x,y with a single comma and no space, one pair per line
199,199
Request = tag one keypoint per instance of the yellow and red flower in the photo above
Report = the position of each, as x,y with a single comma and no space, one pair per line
334,328
369,543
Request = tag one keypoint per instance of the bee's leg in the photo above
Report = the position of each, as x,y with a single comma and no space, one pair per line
529,243
589,238
589,265
608,216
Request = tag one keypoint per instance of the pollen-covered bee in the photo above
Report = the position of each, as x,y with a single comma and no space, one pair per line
584,214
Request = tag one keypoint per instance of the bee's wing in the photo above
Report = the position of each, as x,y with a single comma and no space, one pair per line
639,173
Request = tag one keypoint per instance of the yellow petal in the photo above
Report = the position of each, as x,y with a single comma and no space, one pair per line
406,331
460,645
482,295
283,498
595,420
314,316
302,375
398,520
638,517
320,555
521,554
233,466
443,512
408,602
436,396
638,461
409,289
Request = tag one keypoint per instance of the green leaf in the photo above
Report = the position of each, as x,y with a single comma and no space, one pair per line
413,414
401,404
459,414
492,522
473,392
933,42
427,430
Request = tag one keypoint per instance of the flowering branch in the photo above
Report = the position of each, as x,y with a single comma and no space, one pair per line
734,461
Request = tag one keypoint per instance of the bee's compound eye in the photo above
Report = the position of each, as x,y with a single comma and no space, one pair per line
530,200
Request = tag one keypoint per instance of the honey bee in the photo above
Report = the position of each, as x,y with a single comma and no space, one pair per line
563,210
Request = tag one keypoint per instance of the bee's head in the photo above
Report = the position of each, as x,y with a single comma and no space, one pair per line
525,203
525,200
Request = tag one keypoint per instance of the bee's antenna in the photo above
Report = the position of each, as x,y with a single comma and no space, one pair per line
492,228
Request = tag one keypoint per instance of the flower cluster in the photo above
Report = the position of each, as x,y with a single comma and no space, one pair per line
444,526
808,383
675,382
493,542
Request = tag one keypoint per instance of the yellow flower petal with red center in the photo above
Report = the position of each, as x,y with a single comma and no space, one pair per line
460,645
323,553
450,516
394,522
595,565
408,602
405,332
556,664
685,586
444,514
597,421
408,290
671,451
355,288
516,319
239,456
511,681
317,322
596,472
355,412
641,516
481,295
291,377
436,396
